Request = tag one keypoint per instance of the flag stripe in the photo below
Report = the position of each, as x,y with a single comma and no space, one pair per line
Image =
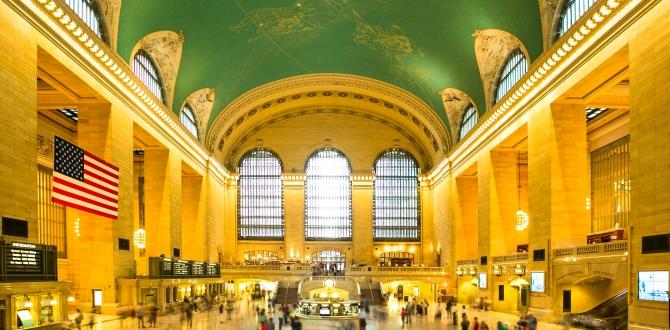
59,183
88,185
78,206
112,181
88,175
104,171
61,192
101,160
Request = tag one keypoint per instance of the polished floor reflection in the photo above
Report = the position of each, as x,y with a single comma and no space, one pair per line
243,318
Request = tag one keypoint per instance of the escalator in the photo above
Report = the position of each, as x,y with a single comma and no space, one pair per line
611,314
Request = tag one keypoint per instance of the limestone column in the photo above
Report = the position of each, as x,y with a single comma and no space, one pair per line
294,217
215,216
163,185
107,132
230,224
428,250
557,185
362,250
193,224
465,220
18,127
649,55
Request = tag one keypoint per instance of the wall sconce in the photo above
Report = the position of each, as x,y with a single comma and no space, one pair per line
459,271
473,271
70,298
52,301
519,270
497,270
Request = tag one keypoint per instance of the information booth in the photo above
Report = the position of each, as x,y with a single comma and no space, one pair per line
30,296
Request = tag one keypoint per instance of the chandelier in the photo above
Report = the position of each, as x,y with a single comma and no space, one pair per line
140,238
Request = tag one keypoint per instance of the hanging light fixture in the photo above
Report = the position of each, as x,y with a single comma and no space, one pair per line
521,216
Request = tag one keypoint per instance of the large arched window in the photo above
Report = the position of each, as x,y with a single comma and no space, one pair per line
396,197
187,118
88,11
467,122
515,67
327,196
572,11
260,197
146,70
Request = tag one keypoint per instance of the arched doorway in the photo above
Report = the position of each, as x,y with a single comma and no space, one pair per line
329,262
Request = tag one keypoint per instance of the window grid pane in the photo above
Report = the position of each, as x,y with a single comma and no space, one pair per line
86,10
396,197
468,122
515,68
327,196
145,69
573,10
50,216
187,118
610,185
260,197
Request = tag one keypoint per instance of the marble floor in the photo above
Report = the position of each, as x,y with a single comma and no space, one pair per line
243,318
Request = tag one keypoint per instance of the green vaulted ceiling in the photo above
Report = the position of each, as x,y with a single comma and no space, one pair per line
422,46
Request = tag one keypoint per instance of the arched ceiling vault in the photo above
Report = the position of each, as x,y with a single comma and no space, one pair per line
342,94
236,150
422,47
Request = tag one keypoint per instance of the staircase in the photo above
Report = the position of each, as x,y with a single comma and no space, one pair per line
287,294
373,294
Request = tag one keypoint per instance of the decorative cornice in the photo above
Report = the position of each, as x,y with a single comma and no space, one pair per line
328,85
233,155
80,42
563,55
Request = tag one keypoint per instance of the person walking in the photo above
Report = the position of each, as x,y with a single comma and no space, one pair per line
140,316
475,324
153,316
91,321
410,310
271,324
465,323
483,326
362,319
229,309
78,318
454,314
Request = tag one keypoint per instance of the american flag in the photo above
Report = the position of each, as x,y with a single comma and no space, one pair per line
84,181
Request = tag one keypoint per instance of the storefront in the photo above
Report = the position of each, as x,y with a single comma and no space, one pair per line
30,296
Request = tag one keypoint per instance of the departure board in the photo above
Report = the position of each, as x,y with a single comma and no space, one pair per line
23,261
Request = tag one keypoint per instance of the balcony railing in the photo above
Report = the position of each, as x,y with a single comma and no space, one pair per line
354,270
468,262
511,258
604,249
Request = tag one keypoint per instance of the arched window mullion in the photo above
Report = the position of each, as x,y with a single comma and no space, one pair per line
260,197
468,122
328,196
514,69
571,12
88,12
187,118
147,71
396,215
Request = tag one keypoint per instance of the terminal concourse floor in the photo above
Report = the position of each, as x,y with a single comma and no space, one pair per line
244,319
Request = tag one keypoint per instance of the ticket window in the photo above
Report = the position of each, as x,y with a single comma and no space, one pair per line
34,310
